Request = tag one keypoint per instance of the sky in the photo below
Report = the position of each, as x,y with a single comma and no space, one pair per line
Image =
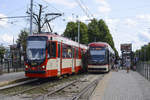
128,20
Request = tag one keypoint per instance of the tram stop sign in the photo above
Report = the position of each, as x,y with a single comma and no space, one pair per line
126,47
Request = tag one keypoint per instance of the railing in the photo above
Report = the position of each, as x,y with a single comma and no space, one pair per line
9,66
144,69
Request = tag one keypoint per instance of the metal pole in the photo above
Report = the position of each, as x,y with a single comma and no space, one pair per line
31,17
78,31
145,61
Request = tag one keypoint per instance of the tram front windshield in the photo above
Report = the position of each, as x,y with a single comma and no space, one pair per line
36,49
97,54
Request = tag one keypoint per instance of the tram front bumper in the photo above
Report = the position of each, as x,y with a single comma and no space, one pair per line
36,72
97,68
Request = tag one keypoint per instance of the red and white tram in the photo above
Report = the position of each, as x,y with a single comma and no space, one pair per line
100,57
49,55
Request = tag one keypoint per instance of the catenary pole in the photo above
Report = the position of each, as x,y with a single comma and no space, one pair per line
31,17
78,31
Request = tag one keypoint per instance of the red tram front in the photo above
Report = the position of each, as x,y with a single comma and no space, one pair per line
49,55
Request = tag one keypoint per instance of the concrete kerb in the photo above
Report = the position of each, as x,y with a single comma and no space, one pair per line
4,83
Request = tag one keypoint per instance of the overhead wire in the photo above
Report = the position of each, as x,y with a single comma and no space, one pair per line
13,17
87,8
52,6
80,5
14,10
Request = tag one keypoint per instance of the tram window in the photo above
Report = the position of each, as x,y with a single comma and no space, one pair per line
53,49
67,51
77,53
58,50
64,55
72,52
48,50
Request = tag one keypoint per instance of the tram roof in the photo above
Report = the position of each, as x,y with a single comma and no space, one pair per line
102,44
62,39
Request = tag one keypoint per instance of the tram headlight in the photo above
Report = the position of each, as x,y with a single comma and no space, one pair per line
26,66
43,67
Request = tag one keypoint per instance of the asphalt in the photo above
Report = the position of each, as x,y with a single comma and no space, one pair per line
122,86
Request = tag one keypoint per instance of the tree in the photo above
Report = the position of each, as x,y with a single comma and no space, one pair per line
83,33
96,31
104,34
71,32
22,39
2,52
99,31
93,31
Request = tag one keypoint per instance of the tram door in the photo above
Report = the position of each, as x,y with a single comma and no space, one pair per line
73,59
59,60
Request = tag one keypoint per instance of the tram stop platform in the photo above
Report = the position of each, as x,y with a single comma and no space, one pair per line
122,86
11,77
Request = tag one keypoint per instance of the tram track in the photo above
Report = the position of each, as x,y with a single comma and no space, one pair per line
65,93
17,84
36,82
92,84
33,87
52,92
28,89
37,85
68,88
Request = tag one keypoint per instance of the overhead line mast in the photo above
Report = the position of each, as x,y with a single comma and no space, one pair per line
31,17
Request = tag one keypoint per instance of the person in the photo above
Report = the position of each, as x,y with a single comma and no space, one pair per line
128,63
116,65
119,64
135,62
113,63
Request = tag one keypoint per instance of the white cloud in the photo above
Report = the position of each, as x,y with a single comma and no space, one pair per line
3,22
143,17
112,24
145,35
103,2
130,22
67,3
104,6
80,18
124,34
6,38
104,9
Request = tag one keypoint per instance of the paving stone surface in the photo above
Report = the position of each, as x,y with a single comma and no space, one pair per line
124,86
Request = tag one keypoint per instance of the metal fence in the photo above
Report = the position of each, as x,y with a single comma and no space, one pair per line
144,69
8,66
